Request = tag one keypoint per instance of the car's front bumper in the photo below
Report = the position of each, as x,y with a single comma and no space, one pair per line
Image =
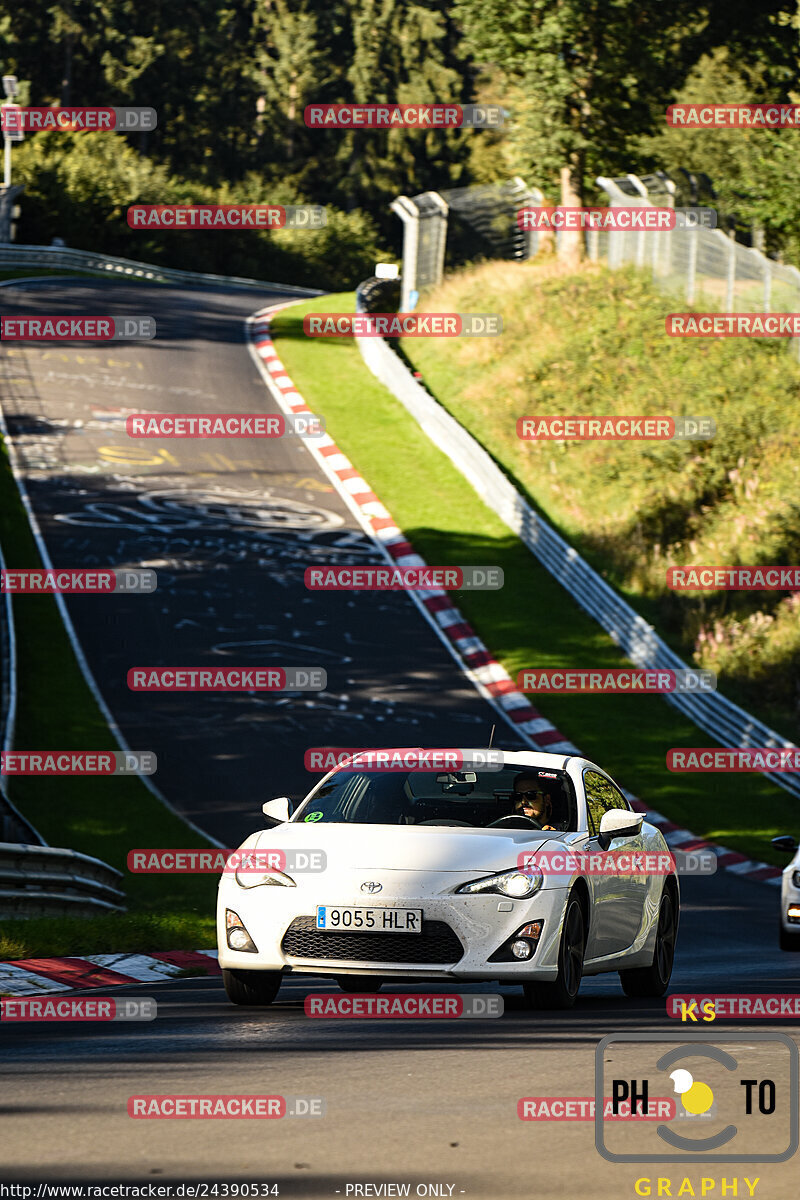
467,931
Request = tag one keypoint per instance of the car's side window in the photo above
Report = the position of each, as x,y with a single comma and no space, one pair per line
601,795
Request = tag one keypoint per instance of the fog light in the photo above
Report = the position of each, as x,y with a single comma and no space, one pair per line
793,912
238,937
521,949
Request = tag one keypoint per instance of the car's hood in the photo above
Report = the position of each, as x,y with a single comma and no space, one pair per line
406,848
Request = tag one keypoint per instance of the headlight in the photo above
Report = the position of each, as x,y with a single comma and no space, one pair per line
251,879
796,878
515,884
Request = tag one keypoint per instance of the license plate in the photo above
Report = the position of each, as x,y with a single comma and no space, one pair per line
374,920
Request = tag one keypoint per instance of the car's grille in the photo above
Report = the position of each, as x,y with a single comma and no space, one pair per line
436,944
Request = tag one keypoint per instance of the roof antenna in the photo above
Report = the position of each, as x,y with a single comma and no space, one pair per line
491,736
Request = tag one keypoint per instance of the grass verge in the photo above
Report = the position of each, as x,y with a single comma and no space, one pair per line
532,622
592,341
127,933
105,816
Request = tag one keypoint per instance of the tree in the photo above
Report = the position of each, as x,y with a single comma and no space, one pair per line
589,77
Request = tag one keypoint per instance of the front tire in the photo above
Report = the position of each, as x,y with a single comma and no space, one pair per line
359,983
788,939
561,994
653,981
252,988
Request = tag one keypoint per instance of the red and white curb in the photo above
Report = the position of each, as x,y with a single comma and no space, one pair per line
491,679
488,676
36,976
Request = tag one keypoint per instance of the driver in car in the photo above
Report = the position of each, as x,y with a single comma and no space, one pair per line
532,802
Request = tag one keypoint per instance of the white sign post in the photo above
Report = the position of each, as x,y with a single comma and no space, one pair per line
10,88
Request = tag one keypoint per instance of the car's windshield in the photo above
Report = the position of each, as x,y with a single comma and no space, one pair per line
467,798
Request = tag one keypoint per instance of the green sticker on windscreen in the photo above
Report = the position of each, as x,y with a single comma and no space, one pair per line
313,816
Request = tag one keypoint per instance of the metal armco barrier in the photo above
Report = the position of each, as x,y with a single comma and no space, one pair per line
724,721
40,881
37,879
12,823
82,260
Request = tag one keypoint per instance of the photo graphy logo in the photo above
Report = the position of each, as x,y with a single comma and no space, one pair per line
737,1098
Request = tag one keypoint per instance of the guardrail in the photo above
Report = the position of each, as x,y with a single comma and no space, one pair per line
62,257
42,881
12,822
37,879
710,711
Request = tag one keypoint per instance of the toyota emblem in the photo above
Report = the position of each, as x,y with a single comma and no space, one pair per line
371,886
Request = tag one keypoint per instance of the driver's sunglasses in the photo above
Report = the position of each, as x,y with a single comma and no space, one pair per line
525,795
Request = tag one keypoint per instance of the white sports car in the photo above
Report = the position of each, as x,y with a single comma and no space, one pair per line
789,921
424,880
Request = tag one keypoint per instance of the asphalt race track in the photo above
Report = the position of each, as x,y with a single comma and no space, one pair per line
230,527
407,1101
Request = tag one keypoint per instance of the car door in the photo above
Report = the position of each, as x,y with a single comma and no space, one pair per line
618,899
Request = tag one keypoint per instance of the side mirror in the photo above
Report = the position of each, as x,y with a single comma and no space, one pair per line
786,843
279,809
617,823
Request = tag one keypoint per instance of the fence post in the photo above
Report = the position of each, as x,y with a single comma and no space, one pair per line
408,213
531,198
439,232
692,268
656,248
731,281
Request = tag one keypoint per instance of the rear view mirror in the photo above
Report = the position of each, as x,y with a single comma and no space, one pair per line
618,823
279,809
786,843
